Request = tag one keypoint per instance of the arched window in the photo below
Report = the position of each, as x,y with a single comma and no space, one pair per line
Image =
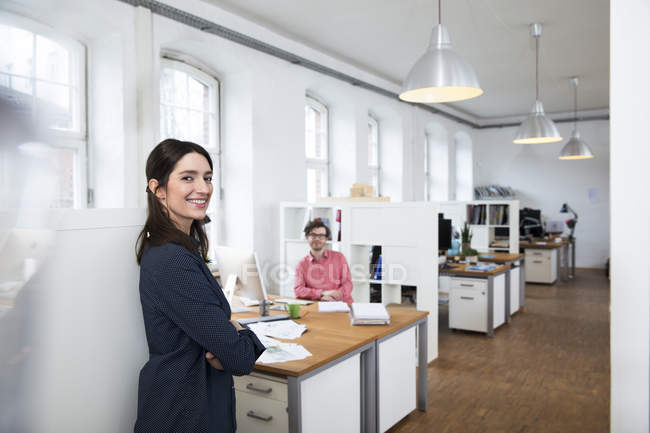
316,148
189,111
464,165
47,72
374,165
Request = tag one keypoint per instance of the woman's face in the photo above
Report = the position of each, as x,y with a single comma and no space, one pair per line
188,191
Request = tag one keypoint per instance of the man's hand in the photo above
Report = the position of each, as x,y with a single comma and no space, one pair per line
327,298
334,295
237,325
214,362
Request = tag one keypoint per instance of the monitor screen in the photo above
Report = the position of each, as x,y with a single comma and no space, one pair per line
444,234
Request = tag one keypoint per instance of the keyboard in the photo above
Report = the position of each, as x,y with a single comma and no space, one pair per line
273,318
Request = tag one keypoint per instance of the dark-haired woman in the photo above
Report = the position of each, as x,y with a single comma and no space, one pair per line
194,347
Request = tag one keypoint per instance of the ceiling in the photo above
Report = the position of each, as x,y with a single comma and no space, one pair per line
386,37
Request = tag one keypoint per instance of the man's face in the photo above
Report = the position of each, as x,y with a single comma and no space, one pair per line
317,238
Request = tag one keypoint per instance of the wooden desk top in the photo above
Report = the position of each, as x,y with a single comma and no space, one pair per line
330,336
461,269
500,257
546,245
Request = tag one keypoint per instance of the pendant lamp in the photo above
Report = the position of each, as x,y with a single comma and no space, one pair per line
575,148
440,75
537,127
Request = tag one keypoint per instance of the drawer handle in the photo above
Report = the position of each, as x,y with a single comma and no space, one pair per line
254,388
466,285
537,261
252,414
469,298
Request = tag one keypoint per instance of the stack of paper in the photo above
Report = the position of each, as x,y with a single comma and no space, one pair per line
333,307
277,351
366,313
286,329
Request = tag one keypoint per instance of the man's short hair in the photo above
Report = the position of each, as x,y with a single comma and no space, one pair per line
314,224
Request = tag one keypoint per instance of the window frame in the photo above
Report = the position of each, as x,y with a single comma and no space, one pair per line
318,163
75,139
375,170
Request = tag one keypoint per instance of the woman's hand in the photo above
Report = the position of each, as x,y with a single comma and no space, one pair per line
213,361
237,325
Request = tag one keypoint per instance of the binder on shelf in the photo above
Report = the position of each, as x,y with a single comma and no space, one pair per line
366,313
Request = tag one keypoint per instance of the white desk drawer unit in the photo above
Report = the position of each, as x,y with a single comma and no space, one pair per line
541,265
261,404
468,304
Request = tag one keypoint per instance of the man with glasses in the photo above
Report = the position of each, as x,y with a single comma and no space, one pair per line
323,274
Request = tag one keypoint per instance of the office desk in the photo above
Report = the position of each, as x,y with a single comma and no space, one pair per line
516,295
357,378
544,260
477,299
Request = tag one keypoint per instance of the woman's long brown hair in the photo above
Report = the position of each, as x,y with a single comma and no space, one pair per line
159,228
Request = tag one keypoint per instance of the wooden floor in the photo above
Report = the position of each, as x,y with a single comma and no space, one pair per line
546,371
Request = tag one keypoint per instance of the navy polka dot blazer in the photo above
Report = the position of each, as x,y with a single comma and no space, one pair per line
185,316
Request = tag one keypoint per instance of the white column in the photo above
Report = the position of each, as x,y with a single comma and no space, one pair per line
630,214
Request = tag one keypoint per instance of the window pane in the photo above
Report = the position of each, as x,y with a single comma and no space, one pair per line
198,95
374,178
315,133
57,99
64,161
316,184
199,128
23,85
16,51
167,86
52,61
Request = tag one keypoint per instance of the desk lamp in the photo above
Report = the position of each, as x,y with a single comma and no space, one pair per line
570,222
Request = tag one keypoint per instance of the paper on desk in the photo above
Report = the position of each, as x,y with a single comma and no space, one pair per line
286,329
294,301
333,307
277,351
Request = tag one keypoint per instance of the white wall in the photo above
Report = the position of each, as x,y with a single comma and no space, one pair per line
630,210
541,181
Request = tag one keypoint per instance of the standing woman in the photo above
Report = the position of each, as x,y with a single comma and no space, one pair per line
194,347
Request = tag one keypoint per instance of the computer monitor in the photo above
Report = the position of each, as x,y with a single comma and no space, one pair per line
241,268
530,222
444,233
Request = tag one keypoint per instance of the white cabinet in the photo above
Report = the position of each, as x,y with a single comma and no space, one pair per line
541,265
514,289
468,304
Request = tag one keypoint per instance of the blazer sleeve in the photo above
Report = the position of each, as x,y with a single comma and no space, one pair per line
183,293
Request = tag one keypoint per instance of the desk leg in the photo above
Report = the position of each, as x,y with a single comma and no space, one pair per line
369,415
522,283
565,259
294,407
507,309
573,258
422,365
490,307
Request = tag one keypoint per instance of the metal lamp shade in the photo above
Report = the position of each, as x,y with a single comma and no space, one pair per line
575,148
440,75
537,128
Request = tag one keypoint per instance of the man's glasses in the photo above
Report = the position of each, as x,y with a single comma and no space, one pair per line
313,236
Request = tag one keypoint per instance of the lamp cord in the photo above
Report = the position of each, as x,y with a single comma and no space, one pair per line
439,12
575,106
537,68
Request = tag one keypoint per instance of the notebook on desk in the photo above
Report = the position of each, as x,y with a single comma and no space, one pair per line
366,313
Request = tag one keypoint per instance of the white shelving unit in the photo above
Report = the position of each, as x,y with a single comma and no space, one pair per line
407,233
487,218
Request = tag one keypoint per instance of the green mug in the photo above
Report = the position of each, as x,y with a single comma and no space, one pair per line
293,310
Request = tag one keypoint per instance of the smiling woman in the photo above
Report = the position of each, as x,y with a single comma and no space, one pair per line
194,347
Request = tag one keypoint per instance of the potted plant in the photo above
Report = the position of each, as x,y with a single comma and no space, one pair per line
465,237
470,254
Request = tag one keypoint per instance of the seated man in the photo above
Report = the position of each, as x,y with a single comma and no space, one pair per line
323,274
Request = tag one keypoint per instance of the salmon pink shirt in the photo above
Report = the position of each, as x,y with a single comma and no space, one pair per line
330,272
